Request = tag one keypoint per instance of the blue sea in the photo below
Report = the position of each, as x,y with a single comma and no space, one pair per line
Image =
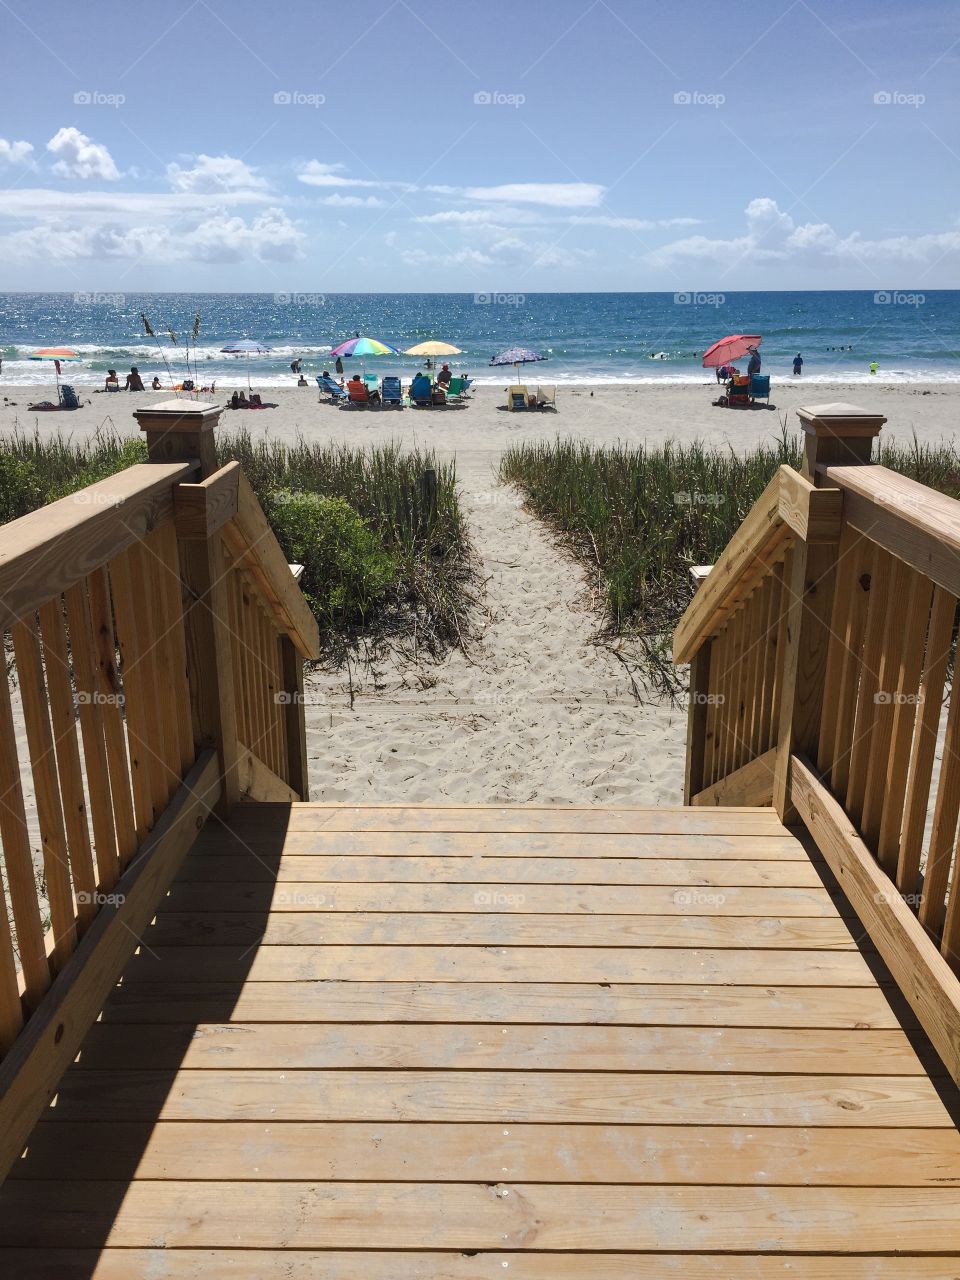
589,338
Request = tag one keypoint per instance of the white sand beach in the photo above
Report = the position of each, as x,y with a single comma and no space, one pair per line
535,710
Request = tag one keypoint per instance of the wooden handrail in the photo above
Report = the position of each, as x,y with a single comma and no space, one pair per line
790,507
158,637
818,682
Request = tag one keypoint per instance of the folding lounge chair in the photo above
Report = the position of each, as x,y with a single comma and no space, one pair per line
332,389
421,392
517,398
68,397
456,389
546,397
392,393
760,387
358,394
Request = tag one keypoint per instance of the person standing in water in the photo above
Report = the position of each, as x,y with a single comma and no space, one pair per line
797,365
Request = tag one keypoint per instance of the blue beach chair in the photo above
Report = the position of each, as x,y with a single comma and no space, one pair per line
392,393
421,391
760,387
331,388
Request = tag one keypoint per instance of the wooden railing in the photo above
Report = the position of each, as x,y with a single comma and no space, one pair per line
154,638
822,648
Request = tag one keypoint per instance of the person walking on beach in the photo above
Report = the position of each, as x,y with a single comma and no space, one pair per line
797,364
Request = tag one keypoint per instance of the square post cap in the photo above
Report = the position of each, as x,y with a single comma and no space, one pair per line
840,420
179,431
837,434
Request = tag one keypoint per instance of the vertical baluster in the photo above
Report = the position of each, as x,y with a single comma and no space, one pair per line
758,624
33,692
80,621
710,737
849,644
142,564
133,674
771,627
869,683
945,812
173,610
63,717
18,859
905,713
844,601
932,680
786,577
110,699
888,675
11,1011
156,576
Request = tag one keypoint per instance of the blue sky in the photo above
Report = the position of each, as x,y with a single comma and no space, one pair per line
405,145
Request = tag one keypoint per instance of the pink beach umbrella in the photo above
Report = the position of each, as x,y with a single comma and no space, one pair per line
729,349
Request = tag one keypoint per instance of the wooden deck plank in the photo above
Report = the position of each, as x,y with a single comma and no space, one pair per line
480,818
306,1264
253,866
506,844
384,928
502,964
479,1046
603,1004
525,1216
521,1096
428,1042
351,1151
471,896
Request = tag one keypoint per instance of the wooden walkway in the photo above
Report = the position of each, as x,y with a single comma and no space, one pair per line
546,1044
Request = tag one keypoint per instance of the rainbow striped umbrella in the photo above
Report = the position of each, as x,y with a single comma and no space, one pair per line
360,346
56,354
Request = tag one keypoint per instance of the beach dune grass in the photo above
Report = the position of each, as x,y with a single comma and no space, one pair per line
379,531
640,517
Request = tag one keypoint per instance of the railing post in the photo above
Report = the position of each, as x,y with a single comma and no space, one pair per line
836,434
693,779
179,430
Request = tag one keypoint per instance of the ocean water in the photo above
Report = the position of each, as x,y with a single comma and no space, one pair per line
914,336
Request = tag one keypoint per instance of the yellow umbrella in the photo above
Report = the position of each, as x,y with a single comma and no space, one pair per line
433,349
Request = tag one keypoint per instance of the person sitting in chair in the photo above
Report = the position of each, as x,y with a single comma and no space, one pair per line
134,381
444,376
420,387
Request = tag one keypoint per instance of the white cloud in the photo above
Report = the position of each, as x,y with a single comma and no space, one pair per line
630,224
317,174
47,205
353,202
80,157
214,175
15,152
271,236
771,235
560,195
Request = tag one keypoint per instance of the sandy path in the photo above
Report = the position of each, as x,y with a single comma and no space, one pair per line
538,712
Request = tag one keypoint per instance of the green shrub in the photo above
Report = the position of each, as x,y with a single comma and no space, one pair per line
21,489
346,570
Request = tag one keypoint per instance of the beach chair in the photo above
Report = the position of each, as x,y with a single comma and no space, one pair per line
392,393
517,398
421,392
456,389
547,398
68,397
332,389
738,392
760,387
358,394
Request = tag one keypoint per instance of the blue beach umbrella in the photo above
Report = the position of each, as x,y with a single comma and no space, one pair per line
516,356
